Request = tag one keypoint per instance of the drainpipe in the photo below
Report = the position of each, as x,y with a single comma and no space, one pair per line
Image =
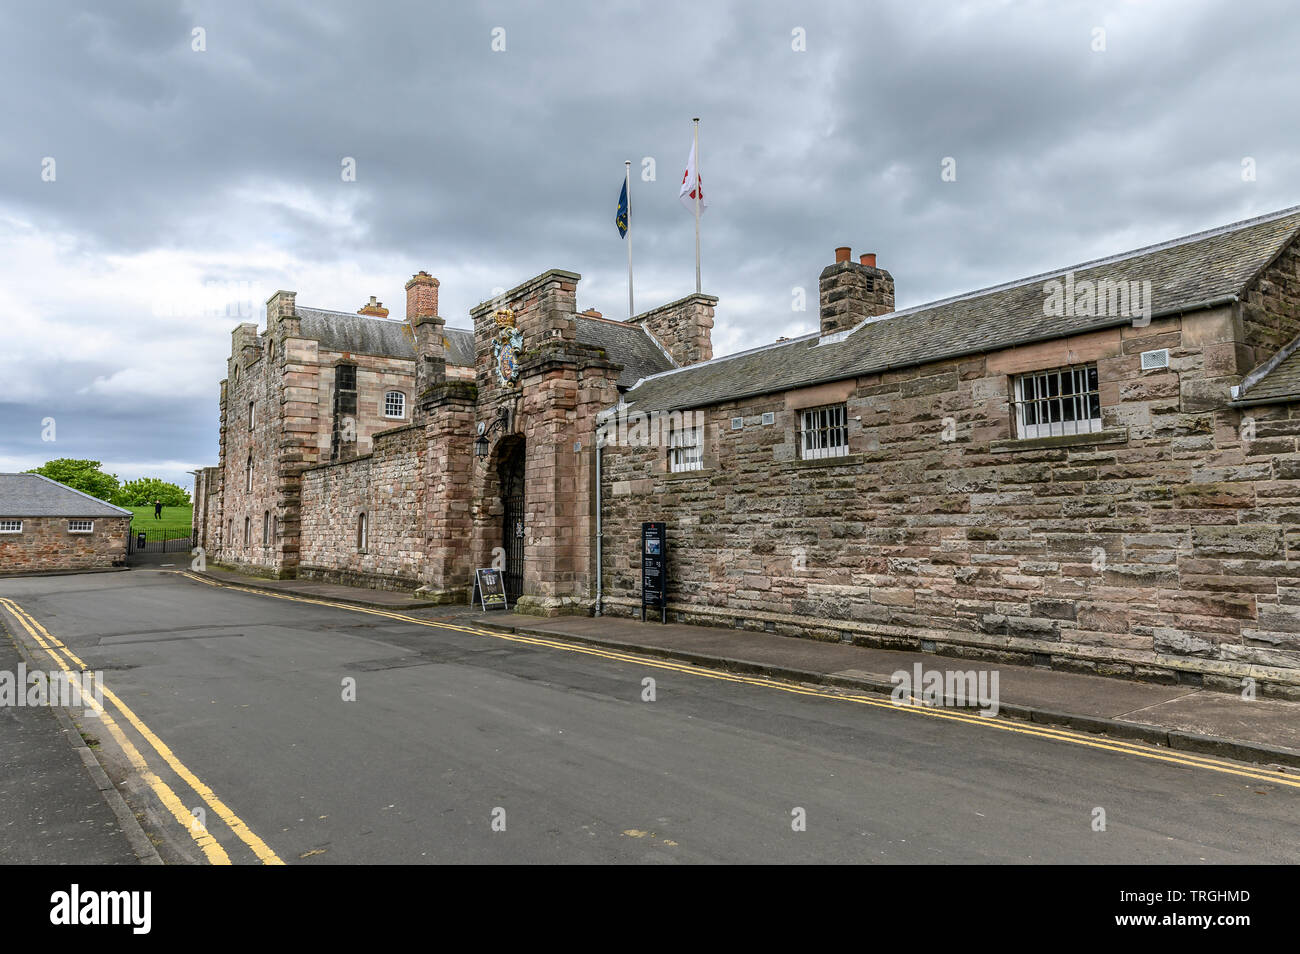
599,451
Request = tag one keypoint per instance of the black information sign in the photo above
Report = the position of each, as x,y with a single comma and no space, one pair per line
654,569
490,589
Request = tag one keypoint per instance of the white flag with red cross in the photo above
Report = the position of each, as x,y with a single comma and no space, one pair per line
691,185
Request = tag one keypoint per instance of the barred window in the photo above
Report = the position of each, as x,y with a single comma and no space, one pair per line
685,450
394,404
11,526
824,432
81,526
1059,401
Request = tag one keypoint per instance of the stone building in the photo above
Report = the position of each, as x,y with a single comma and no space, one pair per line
47,527
1094,468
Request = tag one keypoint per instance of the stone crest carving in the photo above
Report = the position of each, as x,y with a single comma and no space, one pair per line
506,348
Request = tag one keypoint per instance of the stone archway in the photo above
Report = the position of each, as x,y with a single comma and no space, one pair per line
510,476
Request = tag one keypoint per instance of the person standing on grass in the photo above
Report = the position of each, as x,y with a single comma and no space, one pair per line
157,509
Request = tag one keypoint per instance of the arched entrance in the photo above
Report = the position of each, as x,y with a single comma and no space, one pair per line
511,472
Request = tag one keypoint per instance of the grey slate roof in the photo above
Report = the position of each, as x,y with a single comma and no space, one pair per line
367,334
1280,383
31,495
1184,273
625,344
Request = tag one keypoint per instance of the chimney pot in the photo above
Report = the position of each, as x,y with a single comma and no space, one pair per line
868,259
373,307
843,253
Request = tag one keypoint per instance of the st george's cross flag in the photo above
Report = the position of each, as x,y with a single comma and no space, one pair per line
691,183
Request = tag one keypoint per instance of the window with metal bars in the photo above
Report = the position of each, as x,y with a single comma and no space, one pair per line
685,449
824,432
1056,402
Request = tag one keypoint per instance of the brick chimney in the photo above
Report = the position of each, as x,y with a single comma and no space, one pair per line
850,291
376,308
422,314
421,296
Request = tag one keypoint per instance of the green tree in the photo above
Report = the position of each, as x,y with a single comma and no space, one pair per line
83,475
145,490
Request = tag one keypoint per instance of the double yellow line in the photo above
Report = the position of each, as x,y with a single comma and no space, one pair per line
1002,725
210,847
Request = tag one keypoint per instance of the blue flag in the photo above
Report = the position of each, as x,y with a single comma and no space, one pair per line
621,218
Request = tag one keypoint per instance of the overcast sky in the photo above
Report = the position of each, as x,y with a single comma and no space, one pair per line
188,184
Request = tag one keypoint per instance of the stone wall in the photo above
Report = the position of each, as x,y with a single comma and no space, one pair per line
1162,547
684,327
389,486
254,380
45,545
1271,309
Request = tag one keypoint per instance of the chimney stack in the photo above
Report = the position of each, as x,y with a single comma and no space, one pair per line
422,315
851,291
421,296
374,308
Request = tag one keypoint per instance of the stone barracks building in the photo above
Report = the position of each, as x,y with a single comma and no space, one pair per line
1094,468
48,527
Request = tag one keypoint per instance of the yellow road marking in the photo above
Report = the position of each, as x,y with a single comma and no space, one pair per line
215,853
210,846
1044,732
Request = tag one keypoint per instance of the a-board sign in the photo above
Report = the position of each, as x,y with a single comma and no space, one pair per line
654,569
490,589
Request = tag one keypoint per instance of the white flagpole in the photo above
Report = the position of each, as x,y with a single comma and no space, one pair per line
698,189
627,181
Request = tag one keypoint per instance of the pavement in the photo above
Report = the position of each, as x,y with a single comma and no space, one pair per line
56,804
1182,717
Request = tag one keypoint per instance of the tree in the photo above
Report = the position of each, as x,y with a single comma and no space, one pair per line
83,475
144,491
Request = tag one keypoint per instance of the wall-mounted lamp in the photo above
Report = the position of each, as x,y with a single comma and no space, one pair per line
481,443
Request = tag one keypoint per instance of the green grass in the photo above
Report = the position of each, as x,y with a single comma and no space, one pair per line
173,519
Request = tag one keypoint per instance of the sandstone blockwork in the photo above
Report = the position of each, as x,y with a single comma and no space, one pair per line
1163,546
45,544
1161,542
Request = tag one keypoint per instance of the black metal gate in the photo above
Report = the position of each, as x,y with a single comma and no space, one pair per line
512,524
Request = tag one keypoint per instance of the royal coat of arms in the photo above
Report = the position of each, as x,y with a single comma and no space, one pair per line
506,347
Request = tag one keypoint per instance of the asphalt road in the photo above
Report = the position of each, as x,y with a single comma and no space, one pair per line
451,731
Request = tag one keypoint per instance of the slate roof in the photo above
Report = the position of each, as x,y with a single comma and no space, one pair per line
628,345
1279,383
367,334
1184,273
31,495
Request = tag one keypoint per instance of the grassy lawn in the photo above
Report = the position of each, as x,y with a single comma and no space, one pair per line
173,519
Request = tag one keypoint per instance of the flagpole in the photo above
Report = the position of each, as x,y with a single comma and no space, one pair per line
627,184
698,189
